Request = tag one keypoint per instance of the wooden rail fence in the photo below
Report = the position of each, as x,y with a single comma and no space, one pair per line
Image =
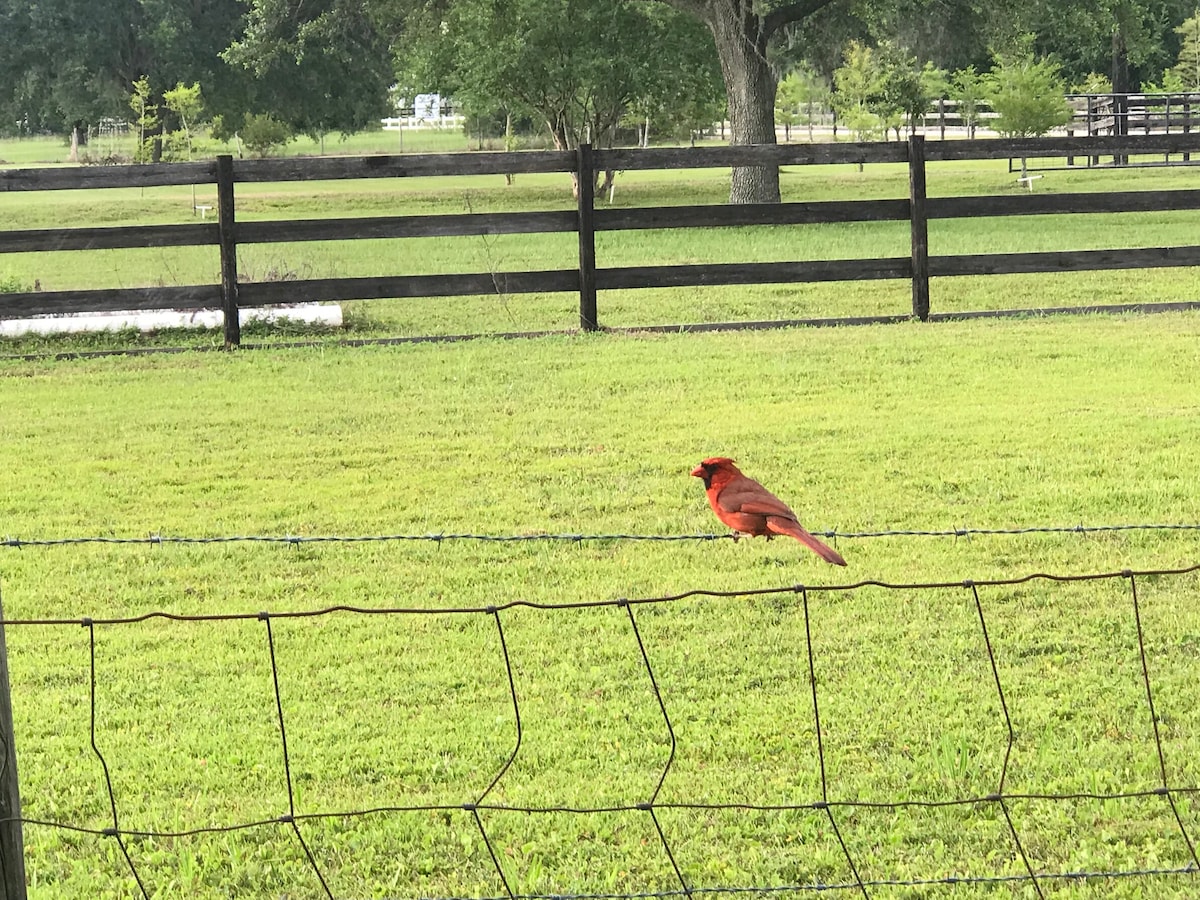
589,279
1108,114
1093,114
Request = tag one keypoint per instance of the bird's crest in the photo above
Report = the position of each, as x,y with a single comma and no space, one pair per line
714,465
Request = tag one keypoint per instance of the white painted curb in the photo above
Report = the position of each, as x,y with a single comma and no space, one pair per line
149,320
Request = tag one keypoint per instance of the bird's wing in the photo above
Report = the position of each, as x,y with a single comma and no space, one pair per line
746,495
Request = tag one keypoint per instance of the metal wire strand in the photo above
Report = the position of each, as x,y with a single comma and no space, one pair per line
573,538
290,817
115,831
1162,759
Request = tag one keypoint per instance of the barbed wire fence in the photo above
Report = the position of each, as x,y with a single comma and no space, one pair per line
438,537
834,810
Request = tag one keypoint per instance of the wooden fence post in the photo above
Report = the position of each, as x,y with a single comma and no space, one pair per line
12,844
1187,121
227,238
920,226
1120,124
587,238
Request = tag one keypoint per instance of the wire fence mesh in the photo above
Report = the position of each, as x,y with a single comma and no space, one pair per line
1177,799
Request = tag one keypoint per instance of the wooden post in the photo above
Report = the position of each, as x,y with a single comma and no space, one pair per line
227,237
1120,124
1071,133
1187,121
920,226
587,238
1166,122
12,844
1093,127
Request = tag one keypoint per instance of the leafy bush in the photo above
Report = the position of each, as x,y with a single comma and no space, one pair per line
1185,74
1027,94
11,284
262,133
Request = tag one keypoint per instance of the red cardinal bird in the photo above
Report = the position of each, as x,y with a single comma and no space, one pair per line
747,507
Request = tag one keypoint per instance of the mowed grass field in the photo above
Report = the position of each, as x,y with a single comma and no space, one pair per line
984,425
1002,424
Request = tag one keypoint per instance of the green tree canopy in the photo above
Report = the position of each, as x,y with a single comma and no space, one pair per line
318,66
578,65
187,104
907,89
968,89
858,88
1026,93
1131,40
1186,71
803,96
69,61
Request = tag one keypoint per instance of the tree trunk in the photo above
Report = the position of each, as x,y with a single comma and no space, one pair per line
510,143
562,141
750,88
1120,63
1120,85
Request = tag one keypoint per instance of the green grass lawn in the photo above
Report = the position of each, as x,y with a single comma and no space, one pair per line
1038,422
56,150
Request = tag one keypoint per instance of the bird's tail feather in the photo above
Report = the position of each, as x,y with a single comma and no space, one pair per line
793,529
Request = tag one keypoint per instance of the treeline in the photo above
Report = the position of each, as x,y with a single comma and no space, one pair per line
571,69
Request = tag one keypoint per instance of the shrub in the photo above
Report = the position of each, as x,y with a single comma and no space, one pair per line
262,133
12,284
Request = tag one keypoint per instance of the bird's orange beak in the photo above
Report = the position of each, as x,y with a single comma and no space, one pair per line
698,472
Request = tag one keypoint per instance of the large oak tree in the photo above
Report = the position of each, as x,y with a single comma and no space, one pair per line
742,31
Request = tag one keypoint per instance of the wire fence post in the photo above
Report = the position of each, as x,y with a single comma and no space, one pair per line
586,174
920,226
227,238
12,843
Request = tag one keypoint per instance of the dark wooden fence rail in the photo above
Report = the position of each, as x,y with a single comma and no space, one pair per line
588,279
